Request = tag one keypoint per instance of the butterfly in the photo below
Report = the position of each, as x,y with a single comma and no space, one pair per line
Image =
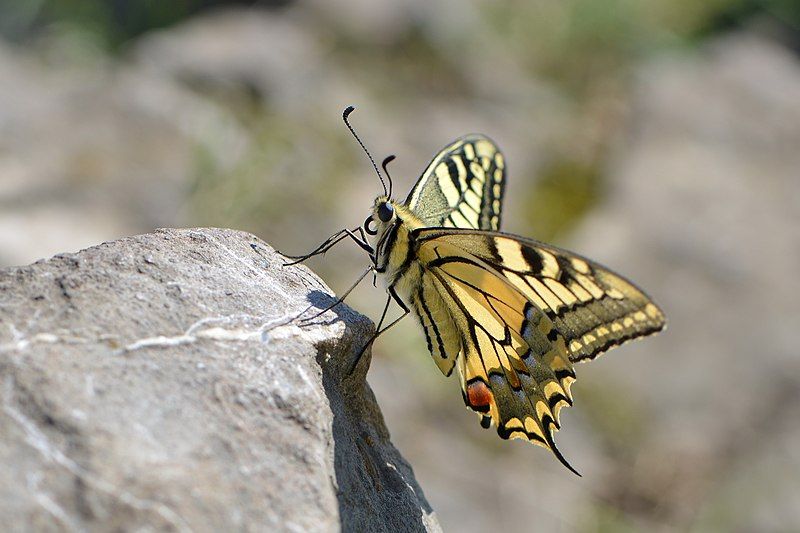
509,314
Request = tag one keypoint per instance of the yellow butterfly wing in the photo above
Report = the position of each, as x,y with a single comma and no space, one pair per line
513,315
462,187
594,308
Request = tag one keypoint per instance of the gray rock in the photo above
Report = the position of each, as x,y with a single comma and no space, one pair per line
162,382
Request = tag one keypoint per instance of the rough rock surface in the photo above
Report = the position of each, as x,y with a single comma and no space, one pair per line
159,382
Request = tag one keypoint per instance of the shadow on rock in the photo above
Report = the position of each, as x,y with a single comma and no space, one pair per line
375,486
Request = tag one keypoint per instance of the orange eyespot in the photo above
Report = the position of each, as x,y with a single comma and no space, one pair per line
479,396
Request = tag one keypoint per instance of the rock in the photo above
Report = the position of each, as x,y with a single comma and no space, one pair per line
163,382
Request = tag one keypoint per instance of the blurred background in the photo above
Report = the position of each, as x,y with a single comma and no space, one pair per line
660,137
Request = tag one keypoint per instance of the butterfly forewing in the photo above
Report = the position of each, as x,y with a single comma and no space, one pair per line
591,306
462,187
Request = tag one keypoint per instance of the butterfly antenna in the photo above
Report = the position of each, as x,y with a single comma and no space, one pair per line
345,116
386,161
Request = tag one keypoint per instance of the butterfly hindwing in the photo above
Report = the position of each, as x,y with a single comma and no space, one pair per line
462,187
518,313
514,366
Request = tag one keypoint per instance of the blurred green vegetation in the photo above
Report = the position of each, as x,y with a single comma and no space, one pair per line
110,22
590,32
240,196
587,26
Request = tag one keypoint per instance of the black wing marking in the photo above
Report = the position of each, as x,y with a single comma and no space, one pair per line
462,187
594,308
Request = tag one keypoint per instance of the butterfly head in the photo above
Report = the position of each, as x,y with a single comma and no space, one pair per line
383,216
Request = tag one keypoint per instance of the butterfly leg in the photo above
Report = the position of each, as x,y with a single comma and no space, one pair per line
392,296
322,248
330,242
342,297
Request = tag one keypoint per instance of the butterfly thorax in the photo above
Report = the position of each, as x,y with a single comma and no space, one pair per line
393,225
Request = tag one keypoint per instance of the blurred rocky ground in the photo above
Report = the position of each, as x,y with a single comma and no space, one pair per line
695,429
705,213
680,170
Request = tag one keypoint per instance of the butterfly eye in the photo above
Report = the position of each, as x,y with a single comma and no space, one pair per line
385,212
369,226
